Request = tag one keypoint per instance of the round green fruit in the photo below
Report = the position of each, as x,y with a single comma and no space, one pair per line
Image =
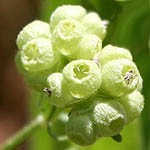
82,77
66,37
94,25
66,12
133,104
119,77
33,30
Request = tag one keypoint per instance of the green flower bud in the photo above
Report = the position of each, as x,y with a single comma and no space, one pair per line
109,117
89,46
59,93
133,104
119,77
33,30
94,24
110,52
38,55
66,12
66,36
80,129
82,77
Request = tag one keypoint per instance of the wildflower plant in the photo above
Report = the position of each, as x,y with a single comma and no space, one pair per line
65,62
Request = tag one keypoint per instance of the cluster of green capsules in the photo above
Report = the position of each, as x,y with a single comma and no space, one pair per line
102,86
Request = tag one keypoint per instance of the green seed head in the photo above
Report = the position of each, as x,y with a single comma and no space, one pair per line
94,25
80,129
110,52
89,46
82,77
66,36
119,77
66,12
38,55
33,30
133,104
109,117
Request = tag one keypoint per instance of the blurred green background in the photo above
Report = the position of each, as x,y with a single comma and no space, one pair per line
129,27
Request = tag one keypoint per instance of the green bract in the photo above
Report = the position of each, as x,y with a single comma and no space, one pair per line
82,77
89,46
119,77
66,36
94,25
33,30
38,55
110,52
133,104
66,12
109,117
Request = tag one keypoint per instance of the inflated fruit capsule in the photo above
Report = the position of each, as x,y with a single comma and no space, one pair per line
110,52
94,24
89,46
35,80
66,12
82,77
109,117
60,96
80,129
38,55
133,104
33,30
66,36
119,77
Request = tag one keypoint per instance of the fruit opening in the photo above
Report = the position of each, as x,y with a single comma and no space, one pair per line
81,71
31,52
67,28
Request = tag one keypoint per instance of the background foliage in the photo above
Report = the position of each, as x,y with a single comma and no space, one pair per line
129,27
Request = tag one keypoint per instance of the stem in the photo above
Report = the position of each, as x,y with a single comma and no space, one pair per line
23,134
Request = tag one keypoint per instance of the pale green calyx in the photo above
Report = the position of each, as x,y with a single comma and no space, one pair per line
109,117
119,77
89,46
133,104
38,55
82,77
33,30
94,25
110,52
66,12
66,36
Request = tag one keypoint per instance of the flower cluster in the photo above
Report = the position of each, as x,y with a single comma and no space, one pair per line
65,58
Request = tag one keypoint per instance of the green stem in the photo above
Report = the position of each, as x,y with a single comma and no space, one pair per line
23,134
